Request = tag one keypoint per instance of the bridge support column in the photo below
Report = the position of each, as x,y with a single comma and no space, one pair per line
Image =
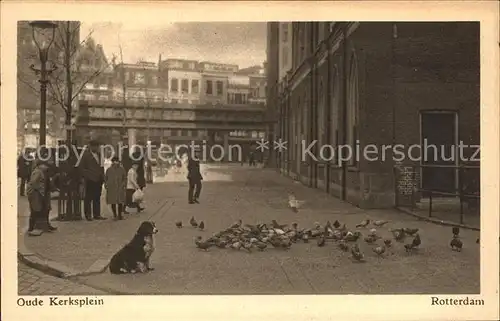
226,147
132,137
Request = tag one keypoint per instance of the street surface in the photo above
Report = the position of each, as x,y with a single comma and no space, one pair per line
34,282
258,195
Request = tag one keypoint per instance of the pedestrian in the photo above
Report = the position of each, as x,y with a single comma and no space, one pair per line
24,167
92,171
251,158
138,156
39,199
116,185
149,172
194,177
132,187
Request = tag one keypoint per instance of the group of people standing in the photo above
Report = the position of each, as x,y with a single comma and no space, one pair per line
121,181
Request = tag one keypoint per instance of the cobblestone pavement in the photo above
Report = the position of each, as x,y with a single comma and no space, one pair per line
34,282
259,195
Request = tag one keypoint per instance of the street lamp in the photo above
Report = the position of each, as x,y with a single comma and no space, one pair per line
43,36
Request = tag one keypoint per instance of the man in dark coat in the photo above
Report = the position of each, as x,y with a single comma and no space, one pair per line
194,177
92,171
24,166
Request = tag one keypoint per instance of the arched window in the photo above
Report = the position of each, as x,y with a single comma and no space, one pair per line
353,109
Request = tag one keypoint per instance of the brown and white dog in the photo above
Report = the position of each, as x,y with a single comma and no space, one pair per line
135,256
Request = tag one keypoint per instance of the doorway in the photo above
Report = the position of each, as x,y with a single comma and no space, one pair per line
439,142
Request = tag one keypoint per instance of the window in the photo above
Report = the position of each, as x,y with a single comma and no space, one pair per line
154,80
352,110
191,65
185,101
285,32
167,114
284,58
89,97
174,85
220,88
238,99
167,132
195,101
103,97
139,78
175,101
195,86
184,132
209,90
185,85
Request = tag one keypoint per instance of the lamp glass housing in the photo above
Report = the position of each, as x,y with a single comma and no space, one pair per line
43,33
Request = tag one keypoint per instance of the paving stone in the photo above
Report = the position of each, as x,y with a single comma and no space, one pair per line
34,282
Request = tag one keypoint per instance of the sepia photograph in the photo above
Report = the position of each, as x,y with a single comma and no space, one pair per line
268,157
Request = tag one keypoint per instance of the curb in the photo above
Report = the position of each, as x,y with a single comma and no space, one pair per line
437,221
54,268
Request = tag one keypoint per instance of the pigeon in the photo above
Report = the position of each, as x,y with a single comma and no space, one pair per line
370,239
295,226
398,234
456,231
416,241
363,223
373,233
410,231
278,226
178,224
305,238
379,250
356,253
380,223
336,224
202,245
261,246
201,226
293,203
456,244
343,246
193,222
387,242
236,224
321,241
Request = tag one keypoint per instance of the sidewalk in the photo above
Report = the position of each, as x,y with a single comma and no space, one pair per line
34,282
260,195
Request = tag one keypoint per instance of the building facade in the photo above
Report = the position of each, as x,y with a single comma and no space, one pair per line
182,79
201,102
379,84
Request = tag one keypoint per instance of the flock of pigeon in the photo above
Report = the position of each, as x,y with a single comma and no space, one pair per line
241,236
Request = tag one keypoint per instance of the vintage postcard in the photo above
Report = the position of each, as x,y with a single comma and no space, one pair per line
250,160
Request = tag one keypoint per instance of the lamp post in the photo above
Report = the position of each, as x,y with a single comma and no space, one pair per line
43,36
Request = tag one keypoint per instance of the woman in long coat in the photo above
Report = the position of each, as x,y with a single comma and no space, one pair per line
116,184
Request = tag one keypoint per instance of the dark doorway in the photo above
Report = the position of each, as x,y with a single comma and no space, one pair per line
439,138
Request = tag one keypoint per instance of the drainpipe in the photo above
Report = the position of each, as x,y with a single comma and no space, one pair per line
344,113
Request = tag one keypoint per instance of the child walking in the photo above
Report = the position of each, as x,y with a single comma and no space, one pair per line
133,186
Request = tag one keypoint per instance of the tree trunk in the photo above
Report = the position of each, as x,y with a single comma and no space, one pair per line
73,199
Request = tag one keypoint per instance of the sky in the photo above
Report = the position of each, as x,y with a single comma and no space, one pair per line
241,43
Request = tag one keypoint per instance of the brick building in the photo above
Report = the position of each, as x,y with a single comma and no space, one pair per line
374,83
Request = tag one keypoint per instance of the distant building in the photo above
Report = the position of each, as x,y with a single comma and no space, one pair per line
183,80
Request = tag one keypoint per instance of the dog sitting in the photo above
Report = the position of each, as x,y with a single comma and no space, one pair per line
135,256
